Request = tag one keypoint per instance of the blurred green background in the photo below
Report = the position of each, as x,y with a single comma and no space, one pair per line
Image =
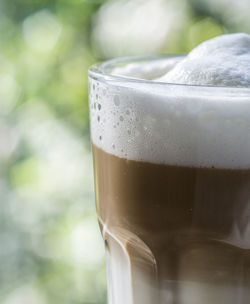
50,246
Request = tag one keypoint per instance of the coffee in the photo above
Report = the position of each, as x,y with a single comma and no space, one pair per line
181,227
172,176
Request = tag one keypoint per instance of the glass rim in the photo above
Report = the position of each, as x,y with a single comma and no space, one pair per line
102,71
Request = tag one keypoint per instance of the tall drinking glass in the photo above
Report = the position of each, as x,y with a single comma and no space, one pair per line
172,185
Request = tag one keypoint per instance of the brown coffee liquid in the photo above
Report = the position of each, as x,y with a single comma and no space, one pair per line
185,230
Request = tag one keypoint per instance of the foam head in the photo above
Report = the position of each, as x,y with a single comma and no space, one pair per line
158,122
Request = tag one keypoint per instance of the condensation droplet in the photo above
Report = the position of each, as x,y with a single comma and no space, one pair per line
100,137
121,118
113,146
98,118
129,132
96,96
93,86
127,112
99,107
116,100
94,105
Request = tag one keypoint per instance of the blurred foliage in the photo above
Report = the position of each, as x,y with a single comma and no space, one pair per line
51,249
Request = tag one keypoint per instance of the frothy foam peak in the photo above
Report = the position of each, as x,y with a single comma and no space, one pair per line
221,61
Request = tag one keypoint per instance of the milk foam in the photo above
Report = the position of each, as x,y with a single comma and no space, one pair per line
172,124
224,61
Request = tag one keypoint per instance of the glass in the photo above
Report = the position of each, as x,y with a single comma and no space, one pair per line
172,184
